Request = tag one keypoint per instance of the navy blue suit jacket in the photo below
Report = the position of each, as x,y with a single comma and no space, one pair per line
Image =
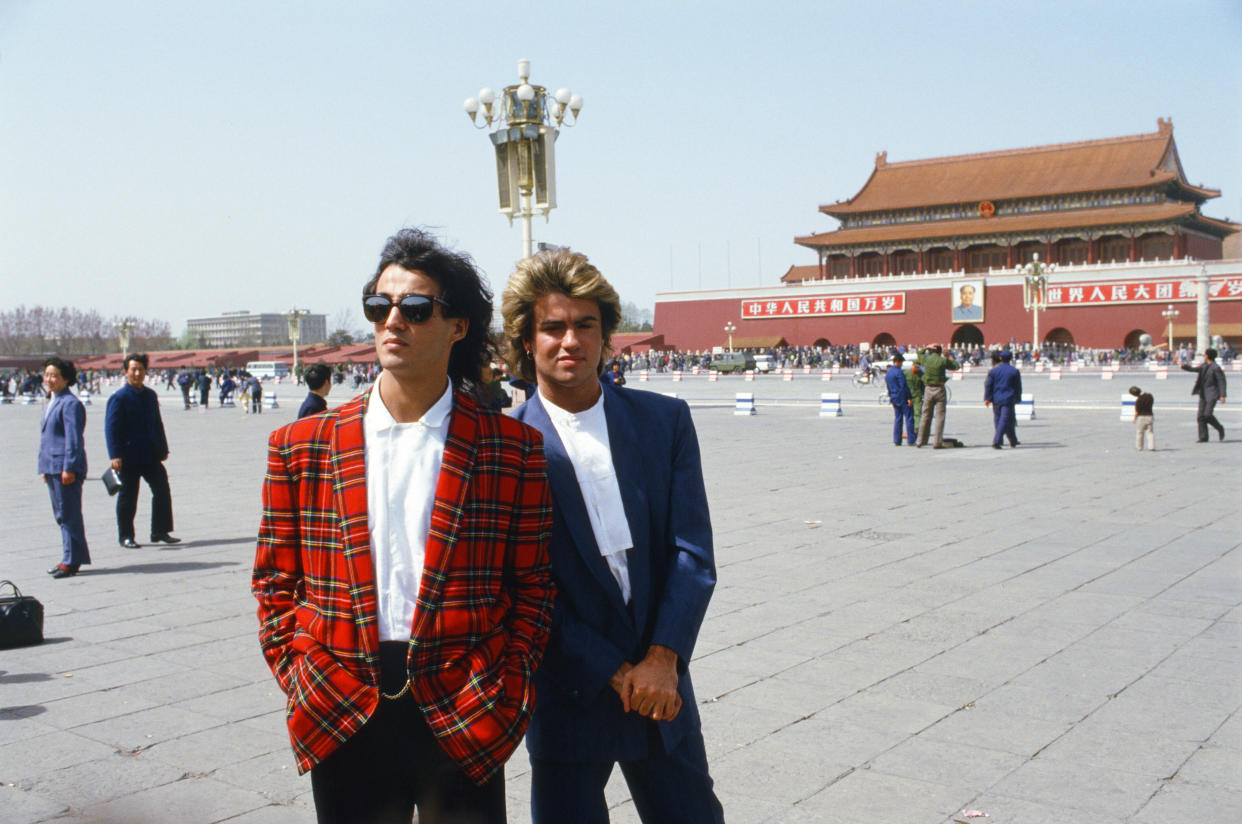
62,447
655,452
1003,386
133,427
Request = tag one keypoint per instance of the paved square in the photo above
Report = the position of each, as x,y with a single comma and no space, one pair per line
1045,634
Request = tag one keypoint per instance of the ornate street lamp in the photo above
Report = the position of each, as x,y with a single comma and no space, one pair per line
1168,315
1035,293
523,125
123,329
294,316
729,330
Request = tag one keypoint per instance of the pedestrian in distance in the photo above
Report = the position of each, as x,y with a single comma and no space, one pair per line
935,402
137,449
1210,387
632,558
318,381
62,463
1002,390
401,572
1144,420
899,397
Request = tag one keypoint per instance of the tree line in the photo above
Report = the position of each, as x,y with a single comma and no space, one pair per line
69,331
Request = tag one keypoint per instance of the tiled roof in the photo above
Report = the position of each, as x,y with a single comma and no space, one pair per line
1034,222
1042,171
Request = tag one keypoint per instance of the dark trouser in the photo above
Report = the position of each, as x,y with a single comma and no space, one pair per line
127,499
667,789
202,397
1207,408
1004,416
67,507
185,394
394,764
256,402
903,413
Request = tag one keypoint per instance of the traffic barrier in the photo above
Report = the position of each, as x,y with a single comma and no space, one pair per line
750,375
957,376
744,404
1106,375
1039,367
787,375
1162,374
269,400
228,402
1054,374
694,370
85,397
642,376
827,376
713,376
29,399
830,405
1074,367
806,370
1025,410
677,376
1127,407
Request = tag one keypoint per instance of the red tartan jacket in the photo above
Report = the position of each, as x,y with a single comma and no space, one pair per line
484,604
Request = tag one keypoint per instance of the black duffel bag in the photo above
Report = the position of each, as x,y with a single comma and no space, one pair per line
21,618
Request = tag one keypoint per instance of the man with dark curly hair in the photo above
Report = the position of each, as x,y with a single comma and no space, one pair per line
402,572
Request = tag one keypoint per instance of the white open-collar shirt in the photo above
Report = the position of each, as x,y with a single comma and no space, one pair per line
403,467
585,436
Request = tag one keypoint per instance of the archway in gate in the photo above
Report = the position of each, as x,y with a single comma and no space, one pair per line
883,342
822,343
967,335
1059,335
1134,340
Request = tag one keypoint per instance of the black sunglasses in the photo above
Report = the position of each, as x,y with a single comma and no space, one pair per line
414,308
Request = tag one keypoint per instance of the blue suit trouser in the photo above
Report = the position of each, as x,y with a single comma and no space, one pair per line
1006,421
67,507
127,499
672,788
903,413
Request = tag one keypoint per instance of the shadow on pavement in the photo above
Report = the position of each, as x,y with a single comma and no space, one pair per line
184,566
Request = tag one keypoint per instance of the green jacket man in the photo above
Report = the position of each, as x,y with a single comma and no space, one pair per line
935,365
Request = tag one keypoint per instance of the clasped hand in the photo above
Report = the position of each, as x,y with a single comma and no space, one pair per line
650,688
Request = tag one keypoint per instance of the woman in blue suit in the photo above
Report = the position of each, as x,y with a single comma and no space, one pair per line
62,462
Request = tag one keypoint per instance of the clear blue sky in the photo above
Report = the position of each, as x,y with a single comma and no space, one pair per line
179,159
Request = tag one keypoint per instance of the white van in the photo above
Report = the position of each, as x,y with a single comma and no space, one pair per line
764,363
265,370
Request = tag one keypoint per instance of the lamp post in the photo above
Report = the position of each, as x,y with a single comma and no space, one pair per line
523,126
1035,293
1168,315
123,329
294,316
729,330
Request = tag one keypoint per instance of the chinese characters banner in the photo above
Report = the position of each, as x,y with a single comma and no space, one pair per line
886,304
1143,291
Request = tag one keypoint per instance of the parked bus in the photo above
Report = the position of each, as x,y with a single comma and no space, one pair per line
263,370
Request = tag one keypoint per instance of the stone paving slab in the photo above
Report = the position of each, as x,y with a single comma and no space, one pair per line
1048,633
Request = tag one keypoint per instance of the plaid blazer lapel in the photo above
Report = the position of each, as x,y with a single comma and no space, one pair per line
349,488
456,469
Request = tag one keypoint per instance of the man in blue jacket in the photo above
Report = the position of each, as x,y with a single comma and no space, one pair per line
62,463
899,397
1002,391
137,448
631,556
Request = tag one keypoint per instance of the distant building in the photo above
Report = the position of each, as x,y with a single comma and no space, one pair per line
245,328
931,250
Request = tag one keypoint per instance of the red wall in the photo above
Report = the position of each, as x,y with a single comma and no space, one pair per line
700,324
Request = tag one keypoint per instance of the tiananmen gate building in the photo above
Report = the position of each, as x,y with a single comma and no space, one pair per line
931,250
